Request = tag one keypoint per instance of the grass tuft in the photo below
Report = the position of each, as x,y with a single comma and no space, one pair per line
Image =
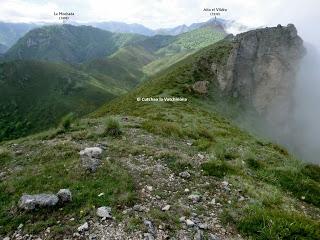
113,127
275,224
217,168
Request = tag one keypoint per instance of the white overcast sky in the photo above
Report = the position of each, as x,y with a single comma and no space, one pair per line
168,13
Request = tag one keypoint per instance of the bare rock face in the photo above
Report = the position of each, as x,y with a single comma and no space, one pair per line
261,69
200,87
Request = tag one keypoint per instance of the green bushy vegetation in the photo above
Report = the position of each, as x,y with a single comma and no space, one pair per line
276,224
112,128
66,121
217,168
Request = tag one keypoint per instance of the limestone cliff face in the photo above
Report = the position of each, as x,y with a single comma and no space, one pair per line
261,69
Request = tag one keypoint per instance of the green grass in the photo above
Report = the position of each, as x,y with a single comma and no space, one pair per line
217,168
266,224
66,121
50,168
174,162
113,128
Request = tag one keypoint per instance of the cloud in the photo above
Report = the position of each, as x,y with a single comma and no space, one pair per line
168,13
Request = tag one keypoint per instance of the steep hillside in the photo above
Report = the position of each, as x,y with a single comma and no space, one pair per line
182,45
36,95
68,43
125,66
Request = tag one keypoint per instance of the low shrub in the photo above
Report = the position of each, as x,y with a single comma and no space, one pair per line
113,128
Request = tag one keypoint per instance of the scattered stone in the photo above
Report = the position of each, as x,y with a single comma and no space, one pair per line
104,212
90,158
225,183
139,208
166,208
303,197
64,195
203,226
30,202
200,156
76,235
182,219
189,223
2,175
20,226
149,188
148,236
198,235
6,238
102,146
241,199
185,174
92,152
92,237
194,197
150,227
213,237
213,202
83,227
186,190
100,194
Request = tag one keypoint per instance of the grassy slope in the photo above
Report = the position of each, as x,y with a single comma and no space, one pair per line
279,185
35,95
182,46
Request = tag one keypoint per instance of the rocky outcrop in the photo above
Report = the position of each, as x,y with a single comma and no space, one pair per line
30,202
91,158
200,87
261,69
44,200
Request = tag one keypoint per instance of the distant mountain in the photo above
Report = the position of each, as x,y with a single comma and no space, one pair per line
121,27
11,32
3,48
218,24
68,43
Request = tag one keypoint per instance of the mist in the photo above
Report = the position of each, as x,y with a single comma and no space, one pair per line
300,132
304,138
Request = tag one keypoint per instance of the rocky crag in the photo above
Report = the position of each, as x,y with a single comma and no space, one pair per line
261,70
